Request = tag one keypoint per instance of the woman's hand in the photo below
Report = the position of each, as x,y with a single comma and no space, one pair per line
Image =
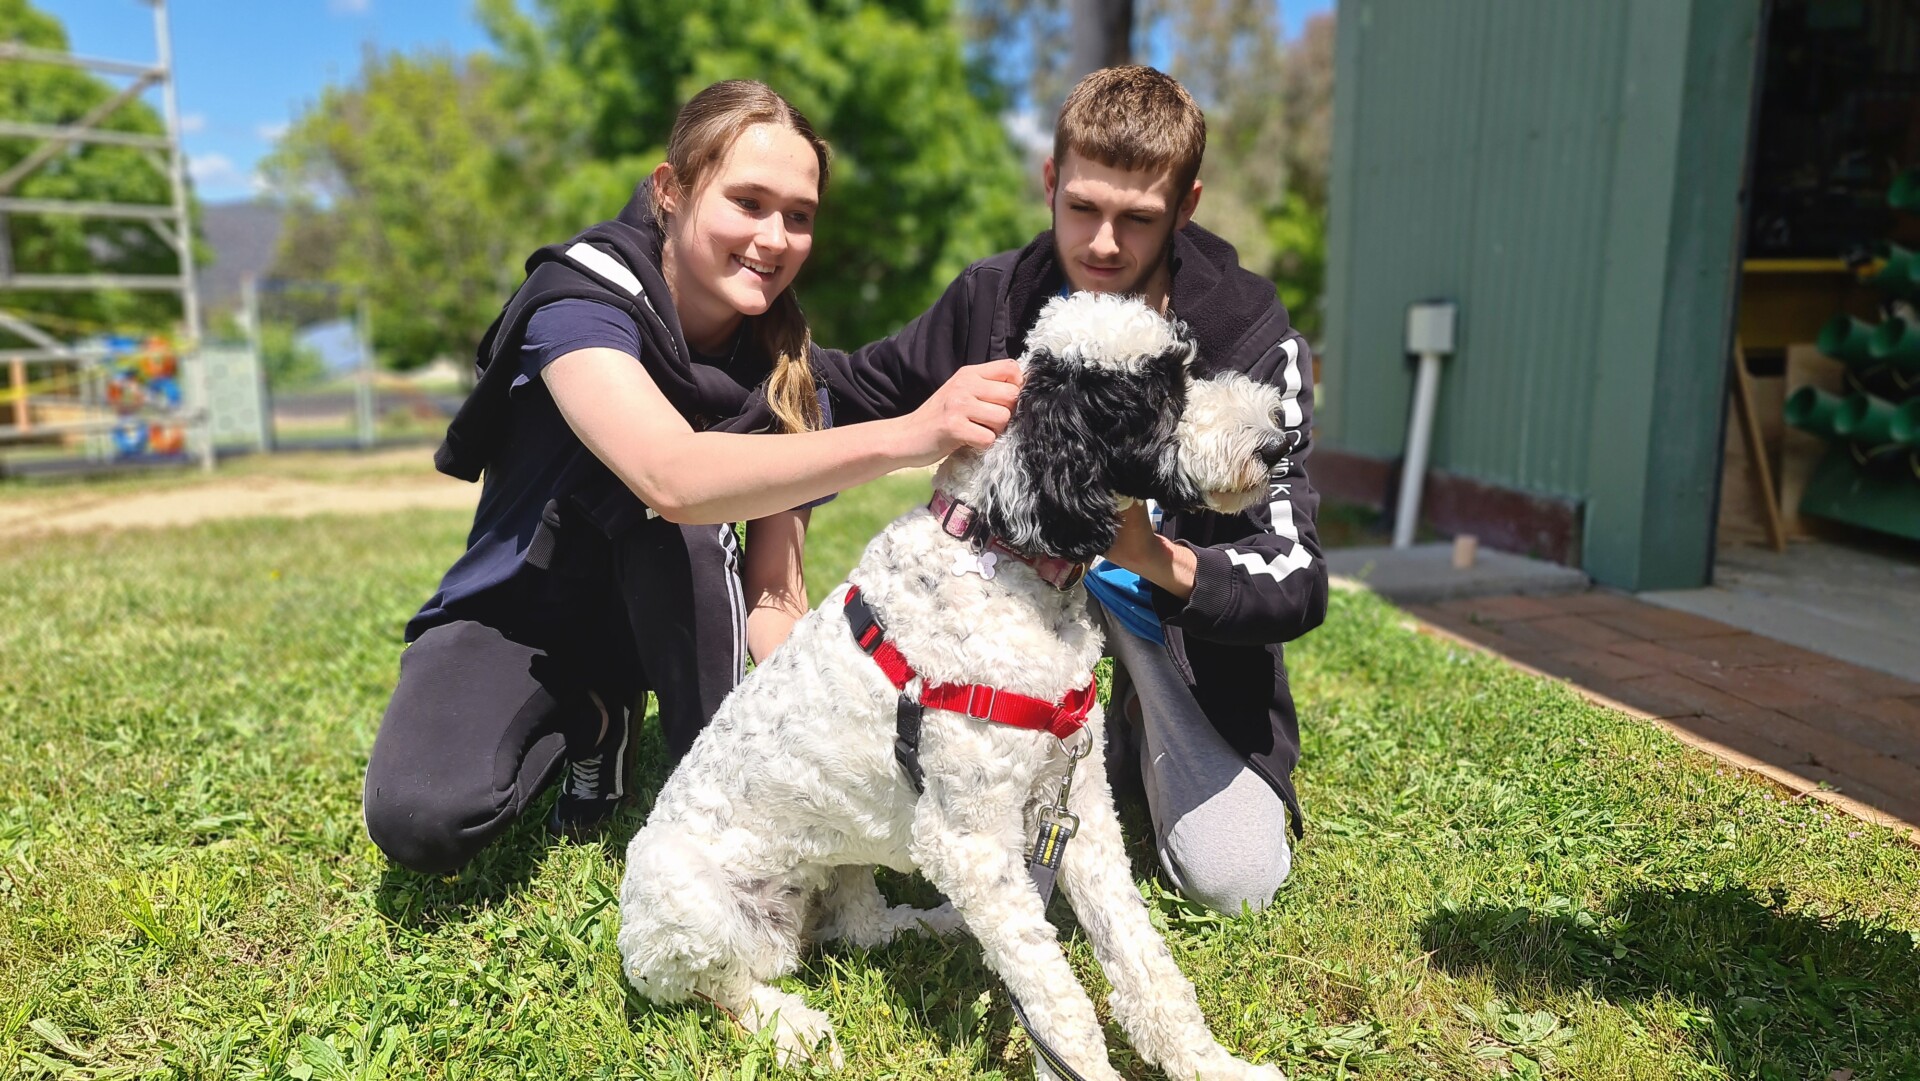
969,411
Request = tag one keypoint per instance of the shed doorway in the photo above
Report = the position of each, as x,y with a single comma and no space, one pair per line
1828,329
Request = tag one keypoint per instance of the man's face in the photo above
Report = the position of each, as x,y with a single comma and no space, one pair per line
1111,227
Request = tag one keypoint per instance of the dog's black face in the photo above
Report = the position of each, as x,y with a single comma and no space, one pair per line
1082,434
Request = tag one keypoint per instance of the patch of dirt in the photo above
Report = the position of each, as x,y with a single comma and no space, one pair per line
366,486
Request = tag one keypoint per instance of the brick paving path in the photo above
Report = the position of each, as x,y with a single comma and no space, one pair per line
1822,727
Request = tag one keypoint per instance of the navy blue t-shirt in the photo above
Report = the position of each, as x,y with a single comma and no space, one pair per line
542,459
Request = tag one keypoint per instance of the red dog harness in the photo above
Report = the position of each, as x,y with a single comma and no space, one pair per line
973,699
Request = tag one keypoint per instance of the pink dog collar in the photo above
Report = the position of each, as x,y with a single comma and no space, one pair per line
961,522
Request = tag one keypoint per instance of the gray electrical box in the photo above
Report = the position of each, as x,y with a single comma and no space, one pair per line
1430,326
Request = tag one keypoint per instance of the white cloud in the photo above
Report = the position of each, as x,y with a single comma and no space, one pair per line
348,7
211,168
216,176
192,122
272,132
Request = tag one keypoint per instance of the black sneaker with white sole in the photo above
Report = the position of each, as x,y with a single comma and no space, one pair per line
593,780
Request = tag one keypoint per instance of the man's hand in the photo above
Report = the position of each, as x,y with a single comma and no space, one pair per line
969,411
1137,543
1146,553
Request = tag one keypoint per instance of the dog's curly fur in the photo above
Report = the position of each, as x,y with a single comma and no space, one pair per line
765,837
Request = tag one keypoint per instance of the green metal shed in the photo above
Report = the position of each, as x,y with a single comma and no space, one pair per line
1570,173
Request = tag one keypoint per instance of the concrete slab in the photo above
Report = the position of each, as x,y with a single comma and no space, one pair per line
1846,602
1424,573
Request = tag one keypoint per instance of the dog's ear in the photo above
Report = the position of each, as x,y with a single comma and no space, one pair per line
1160,385
1051,489
1185,344
1172,376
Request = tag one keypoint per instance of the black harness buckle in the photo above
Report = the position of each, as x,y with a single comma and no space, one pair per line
906,741
868,634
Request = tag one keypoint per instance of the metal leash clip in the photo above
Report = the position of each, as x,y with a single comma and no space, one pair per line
1078,746
1056,829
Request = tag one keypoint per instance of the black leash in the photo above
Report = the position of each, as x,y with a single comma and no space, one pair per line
1043,866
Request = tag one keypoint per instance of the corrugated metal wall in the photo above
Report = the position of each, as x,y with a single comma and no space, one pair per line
1569,171
1480,145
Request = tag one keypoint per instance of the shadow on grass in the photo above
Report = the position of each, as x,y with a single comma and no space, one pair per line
423,901
502,868
946,986
1783,994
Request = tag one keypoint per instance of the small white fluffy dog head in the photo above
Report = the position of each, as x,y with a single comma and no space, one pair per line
1228,442
1109,410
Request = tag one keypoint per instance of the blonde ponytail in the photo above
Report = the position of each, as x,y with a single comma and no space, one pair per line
791,390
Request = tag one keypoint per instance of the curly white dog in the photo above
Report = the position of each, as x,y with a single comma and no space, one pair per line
766,835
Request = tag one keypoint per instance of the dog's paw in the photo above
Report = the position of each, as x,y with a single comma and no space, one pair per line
1224,1067
940,922
802,1039
801,1034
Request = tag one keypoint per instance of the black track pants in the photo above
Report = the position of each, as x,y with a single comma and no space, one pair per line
480,721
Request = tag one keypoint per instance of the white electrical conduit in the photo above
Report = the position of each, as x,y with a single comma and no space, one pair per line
1426,391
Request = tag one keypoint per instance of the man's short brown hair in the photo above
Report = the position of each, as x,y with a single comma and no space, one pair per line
1133,118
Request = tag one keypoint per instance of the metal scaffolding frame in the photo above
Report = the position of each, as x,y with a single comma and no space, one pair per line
170,221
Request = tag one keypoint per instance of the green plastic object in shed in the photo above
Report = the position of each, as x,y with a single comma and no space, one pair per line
1895,271
1874,421
1845,338
1905,193
1812,410
1897,342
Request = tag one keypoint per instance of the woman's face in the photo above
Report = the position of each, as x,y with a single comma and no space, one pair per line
740,239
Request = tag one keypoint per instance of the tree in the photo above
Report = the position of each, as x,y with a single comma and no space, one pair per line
1028,49
1298,227
1102,34
1307,89
409,184
925,178
67,244
1270,105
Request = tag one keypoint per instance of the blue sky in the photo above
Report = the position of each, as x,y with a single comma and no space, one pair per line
245,68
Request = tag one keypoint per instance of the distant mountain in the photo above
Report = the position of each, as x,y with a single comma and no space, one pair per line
245,237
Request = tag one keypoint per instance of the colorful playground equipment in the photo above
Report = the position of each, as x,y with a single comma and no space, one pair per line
143,377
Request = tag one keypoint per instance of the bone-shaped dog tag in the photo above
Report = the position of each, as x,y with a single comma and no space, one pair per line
980,563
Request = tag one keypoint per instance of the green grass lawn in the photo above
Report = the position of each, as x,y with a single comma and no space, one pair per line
1498,879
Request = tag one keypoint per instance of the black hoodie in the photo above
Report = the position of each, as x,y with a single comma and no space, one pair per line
1260,579
540,478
